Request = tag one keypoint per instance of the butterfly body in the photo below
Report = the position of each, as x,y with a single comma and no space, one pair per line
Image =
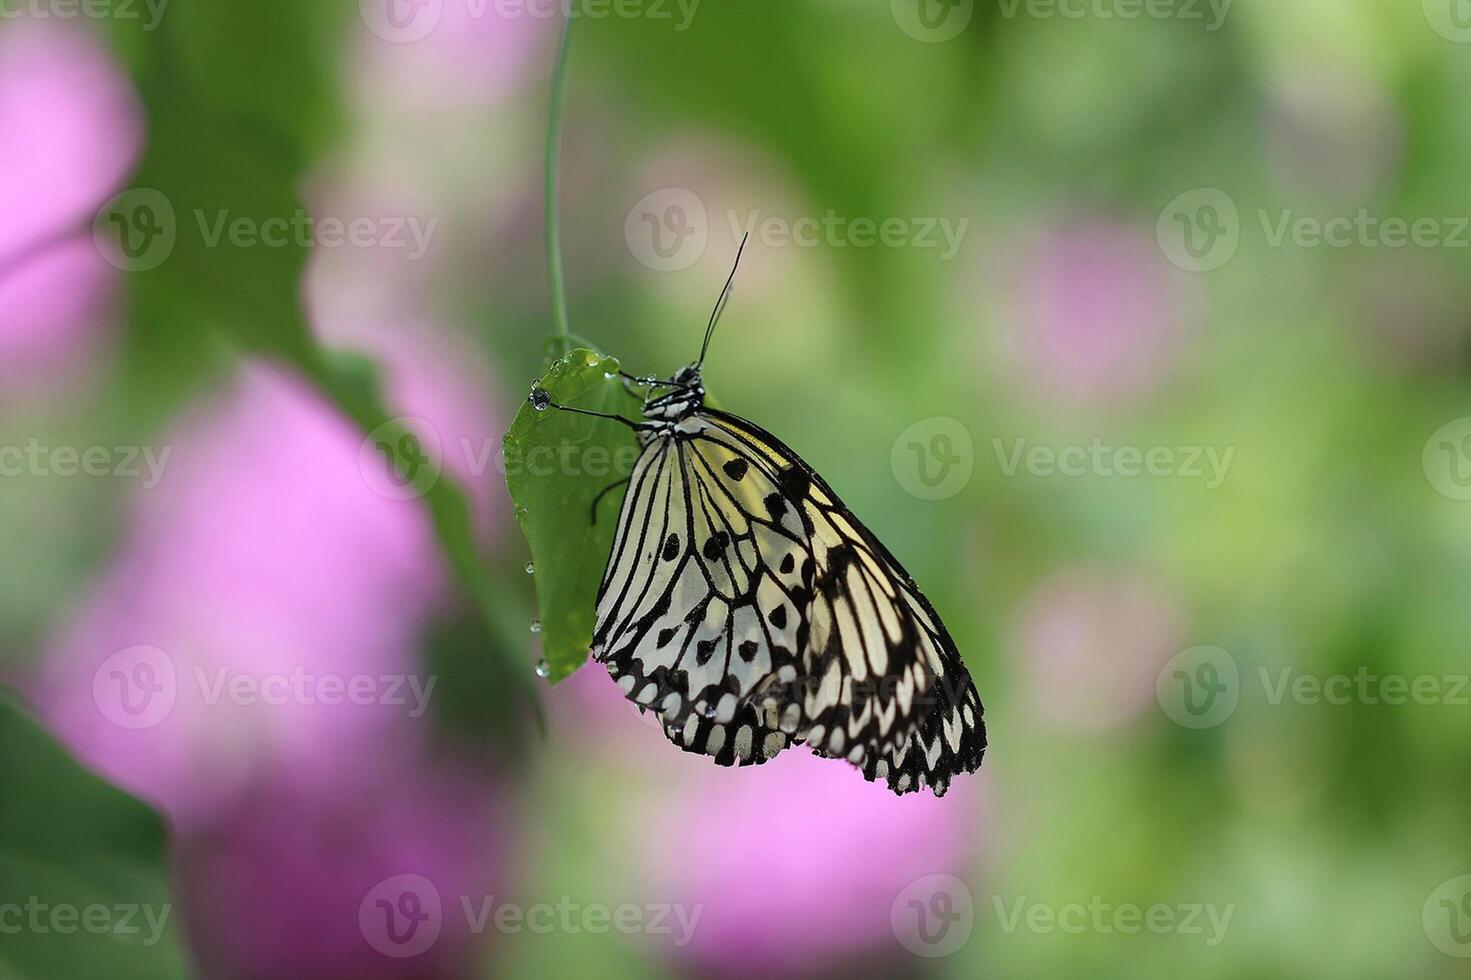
750,609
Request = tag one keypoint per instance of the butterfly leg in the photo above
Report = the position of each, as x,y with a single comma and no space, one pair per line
542,399
593,511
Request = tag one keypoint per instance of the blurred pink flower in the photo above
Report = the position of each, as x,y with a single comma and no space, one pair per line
283,886
263,551
1091,642
447,52
794,862
1097,318
798,861
791,863
57,308
70,132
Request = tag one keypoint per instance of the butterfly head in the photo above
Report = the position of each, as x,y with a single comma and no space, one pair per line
684,397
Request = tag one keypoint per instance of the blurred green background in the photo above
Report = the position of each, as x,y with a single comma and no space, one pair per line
1138,331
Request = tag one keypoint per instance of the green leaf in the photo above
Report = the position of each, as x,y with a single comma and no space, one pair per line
556,465
85,864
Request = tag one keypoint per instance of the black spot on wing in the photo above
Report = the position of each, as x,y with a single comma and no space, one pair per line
794,483
715,545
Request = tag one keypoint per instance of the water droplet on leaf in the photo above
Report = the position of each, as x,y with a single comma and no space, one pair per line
536,626
543,669
531,568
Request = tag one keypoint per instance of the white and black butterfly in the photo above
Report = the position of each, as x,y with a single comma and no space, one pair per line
746,605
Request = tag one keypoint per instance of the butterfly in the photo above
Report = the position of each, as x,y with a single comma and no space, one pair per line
748,607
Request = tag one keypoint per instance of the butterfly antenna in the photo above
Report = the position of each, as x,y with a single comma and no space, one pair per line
720,303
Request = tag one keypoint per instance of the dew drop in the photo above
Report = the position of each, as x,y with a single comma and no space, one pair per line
540,399
536,626
531,568
543,669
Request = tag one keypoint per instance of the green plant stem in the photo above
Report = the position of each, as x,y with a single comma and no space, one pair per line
554,143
